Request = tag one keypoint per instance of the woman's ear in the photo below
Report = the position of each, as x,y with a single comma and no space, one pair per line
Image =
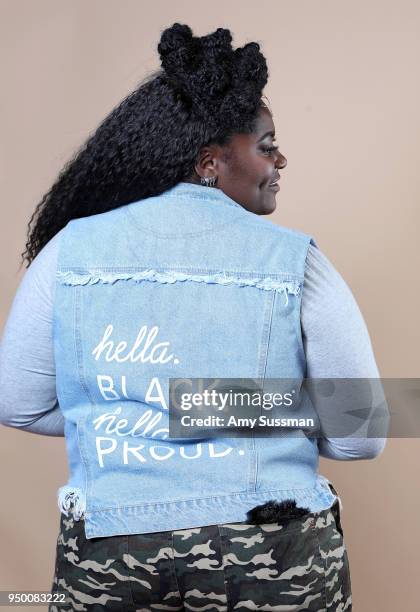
206,164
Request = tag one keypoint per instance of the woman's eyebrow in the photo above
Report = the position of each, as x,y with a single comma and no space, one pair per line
270,133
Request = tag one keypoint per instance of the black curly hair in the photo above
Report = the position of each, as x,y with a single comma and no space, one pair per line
204,93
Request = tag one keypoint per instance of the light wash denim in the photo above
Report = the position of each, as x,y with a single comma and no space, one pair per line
184,284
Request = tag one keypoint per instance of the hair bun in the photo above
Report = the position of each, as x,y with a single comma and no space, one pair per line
177,48
208,75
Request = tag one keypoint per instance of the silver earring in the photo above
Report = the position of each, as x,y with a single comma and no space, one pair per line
209,181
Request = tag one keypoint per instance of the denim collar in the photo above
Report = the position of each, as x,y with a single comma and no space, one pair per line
200,192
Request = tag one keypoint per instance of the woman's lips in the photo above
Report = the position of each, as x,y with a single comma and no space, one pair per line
274,187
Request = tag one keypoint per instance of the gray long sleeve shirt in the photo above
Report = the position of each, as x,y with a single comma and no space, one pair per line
335,336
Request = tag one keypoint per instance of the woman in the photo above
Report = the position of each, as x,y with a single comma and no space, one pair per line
150,259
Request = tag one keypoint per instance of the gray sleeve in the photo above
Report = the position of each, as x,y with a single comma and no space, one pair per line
337,344
28,397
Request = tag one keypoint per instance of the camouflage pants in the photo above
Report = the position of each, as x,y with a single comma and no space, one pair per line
296,564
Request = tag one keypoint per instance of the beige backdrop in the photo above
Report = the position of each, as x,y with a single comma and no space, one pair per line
345,94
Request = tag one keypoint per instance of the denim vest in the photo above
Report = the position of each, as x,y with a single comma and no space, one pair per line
184,284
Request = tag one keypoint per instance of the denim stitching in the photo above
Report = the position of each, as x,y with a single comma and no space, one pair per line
267,284
214,228
308,493
173,268
82,379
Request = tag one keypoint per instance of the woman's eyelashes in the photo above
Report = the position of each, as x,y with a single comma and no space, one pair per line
270,149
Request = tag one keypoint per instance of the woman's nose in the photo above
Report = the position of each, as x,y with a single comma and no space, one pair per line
281,161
